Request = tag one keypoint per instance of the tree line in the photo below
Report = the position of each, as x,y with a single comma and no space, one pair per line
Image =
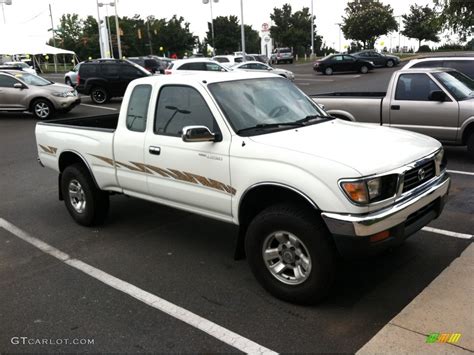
364,22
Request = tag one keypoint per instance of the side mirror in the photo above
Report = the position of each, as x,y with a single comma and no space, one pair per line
437,95
19,86
198,134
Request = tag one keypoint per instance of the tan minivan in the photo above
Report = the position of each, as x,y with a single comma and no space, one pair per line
21,91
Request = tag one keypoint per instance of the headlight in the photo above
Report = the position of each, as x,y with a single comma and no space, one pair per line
369,190
440,161
65,94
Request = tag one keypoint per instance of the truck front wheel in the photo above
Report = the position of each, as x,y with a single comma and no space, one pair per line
289,253
87,204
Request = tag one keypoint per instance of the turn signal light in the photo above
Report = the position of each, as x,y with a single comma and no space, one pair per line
380,236
357,191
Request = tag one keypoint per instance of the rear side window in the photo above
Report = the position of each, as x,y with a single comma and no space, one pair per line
88,69
138,108
221,59
464,66
415,87
110,70
192,66
213,67
180,106
7,81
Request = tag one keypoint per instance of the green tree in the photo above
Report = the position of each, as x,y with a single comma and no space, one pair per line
421,23
294,30
226,34
228,38
69,32
175,37
365,21
89,40
457,15
252,40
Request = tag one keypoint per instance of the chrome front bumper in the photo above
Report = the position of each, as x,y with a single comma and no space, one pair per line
375,222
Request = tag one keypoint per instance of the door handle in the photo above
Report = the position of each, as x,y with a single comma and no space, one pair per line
395,107
154,150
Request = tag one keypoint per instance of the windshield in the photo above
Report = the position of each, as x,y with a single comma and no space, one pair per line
18,64
263,102
31,79
458,84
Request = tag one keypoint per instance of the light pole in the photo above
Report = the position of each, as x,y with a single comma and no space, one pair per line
312,31
100,32
109,34
117,28
6,2
242,29
340,48
205,2
399,29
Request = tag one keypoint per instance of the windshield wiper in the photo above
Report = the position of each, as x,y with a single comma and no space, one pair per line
261,126
310,119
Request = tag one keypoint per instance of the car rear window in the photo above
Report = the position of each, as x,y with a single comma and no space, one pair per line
284,50
221,60
429,64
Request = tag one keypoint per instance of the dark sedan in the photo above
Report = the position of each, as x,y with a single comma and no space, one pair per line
342,63
379,59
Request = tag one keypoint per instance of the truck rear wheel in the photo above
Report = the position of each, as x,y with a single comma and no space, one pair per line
86,204
289,253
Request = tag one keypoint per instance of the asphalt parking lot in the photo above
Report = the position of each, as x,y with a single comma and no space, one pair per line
188,261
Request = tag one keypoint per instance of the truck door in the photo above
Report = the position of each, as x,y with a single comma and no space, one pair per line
412,109
191,175
129,141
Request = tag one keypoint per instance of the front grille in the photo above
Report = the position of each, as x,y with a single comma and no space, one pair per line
414,177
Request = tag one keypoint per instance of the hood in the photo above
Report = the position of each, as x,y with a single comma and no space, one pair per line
369,149
56,87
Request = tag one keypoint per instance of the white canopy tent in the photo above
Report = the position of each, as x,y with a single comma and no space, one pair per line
14,41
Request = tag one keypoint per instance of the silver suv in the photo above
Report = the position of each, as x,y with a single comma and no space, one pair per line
20,91
282,55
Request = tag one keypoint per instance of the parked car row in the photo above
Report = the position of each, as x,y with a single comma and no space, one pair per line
361,62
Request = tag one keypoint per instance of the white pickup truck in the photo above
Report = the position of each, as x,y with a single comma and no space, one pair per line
253,150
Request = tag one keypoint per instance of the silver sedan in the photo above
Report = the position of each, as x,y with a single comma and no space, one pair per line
257,66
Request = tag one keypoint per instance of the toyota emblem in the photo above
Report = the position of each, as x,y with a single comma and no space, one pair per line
421,174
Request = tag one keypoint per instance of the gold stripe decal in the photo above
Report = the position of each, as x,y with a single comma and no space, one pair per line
170,173
48,149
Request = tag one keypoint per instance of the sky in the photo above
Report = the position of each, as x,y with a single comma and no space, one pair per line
32,16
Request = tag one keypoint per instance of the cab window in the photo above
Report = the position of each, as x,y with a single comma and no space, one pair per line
138,108
415,87
179,106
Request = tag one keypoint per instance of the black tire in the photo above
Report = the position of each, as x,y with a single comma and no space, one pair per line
314,239
291,61
68,81
364,69
96,206
470,145
42,109
390,63
99,95
328,71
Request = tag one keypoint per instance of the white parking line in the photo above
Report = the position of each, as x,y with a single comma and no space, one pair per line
227,336
460,172
103,107
448,233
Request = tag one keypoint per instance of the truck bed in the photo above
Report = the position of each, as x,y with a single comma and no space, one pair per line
107,123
